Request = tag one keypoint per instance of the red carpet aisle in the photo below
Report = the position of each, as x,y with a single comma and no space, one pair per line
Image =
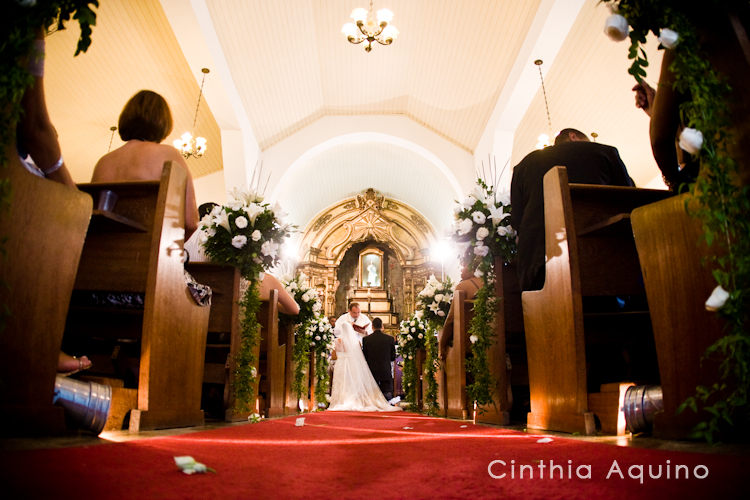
364,455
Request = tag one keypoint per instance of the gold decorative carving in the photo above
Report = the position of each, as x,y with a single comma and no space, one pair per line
321,221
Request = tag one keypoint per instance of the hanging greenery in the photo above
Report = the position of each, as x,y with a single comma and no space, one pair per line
482,231
722,202
247,234
321,333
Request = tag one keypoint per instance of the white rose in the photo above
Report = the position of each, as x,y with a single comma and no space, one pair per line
253,372
439,297
239,241
691,140
316,307
473,339
413,329
255,236
409,337
481,250
412,323
478,273
502,230
717,299
317,337
668,38
468,202
616,27
478,217
240,222
420,336
482,233
441,313
465,226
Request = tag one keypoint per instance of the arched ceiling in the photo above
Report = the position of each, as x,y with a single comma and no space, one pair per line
347,169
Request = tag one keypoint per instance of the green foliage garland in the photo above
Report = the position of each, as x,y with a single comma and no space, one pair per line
246,373
482,336
431,365
321,347
722,203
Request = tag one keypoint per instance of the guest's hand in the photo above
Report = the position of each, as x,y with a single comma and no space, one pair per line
644,97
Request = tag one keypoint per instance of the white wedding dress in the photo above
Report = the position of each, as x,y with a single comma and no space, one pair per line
354,388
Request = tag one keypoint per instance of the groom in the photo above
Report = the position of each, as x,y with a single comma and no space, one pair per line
380,350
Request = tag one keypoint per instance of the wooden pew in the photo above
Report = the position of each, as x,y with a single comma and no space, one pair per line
138,248
223,330
671,248
45,226
452,377
590,252
272,357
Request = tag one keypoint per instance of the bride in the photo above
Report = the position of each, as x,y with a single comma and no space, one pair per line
354,388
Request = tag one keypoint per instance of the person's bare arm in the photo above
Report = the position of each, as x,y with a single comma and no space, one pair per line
287,305
191,206
36,134
665,121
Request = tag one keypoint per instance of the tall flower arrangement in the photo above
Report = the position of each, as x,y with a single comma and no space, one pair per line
434,302
246,233
482,231
320,333
411,338
723,202
309,309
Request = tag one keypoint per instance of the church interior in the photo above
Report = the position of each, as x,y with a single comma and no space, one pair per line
369,152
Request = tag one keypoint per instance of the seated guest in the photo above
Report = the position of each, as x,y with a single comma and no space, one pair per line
39,149
145,121
586,162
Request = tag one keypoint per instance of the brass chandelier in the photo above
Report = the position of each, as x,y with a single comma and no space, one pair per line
370,28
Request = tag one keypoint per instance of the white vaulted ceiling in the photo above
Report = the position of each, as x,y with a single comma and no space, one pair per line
282,67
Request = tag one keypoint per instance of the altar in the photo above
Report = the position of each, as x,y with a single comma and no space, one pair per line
370,291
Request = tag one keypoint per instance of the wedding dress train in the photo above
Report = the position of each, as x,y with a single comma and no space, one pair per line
354,388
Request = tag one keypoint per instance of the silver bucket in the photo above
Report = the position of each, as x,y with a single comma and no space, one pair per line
641,403
85,403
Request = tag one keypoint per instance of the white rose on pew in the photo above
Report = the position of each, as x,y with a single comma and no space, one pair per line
239,241
317,337
468,202
473,339
717,299
269,248
503,230
691,140
616,27
316,307
481,250
240,222
214,211
412,323
255,236
438,297
669,38
441,313
482,233
409,337
413,330
465,226
479,217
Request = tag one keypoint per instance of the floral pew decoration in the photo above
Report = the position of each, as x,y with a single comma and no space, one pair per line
247,233
482,232
434,302
411,339
313,335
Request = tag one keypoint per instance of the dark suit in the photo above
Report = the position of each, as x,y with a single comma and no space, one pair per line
586,162
380,350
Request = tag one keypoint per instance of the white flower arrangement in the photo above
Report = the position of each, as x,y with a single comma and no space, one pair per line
245,233
434,301
482,225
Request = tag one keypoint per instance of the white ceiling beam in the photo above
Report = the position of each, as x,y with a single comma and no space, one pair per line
193,27
553,21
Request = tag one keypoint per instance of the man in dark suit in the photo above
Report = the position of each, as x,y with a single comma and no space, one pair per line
586,162
380,350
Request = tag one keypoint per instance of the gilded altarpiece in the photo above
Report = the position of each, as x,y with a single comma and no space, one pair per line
368,217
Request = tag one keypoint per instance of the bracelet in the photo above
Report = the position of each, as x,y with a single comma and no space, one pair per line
54,168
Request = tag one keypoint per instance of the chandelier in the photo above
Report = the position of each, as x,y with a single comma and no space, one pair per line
187,144
544,140
367,28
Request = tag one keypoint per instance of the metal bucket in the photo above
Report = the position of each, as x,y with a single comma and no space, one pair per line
85,403
641,403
